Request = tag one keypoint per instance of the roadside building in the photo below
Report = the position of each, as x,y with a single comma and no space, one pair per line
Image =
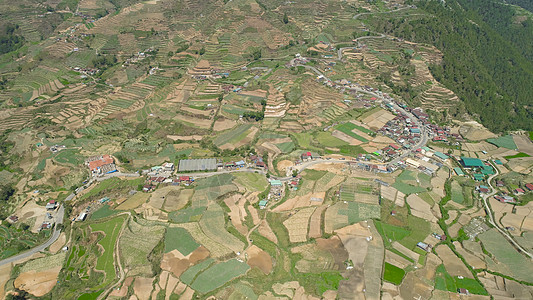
168,167
470,163
263,204
519,191
424,246
276,182
458,171
51,205
203,164
82,216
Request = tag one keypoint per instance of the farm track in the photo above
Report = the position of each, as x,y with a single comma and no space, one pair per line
122,275
491,216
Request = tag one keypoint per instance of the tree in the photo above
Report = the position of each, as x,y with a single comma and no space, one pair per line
202,51
285,18
294,173
256,54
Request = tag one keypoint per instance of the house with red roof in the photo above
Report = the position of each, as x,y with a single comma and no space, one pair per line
519,191
307,155
100,165
529,187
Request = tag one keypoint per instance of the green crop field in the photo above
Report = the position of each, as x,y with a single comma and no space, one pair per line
391,232
420,229
218,275
357,212
188,276
111,229
518,155
102,212
180,239
109,185
186,215
252,181
445,282
516,264
233,135
407,188
327,140
286,147
504,141
347,129
393,274
457,193
69,156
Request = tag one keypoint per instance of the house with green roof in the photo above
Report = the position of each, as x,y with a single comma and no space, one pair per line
478,177
441,155
469,162
458,171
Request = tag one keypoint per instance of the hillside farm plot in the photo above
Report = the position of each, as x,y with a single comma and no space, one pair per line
408,183
218,275
508,260
377,118
213,225
506,141
328,140
106,262
359,191
297,225
342,214
445,282
216,249
177,199
390,232
286,147
134,201
234,138
186,215
347,128
179,239
136,243
209,189
188,276
251,181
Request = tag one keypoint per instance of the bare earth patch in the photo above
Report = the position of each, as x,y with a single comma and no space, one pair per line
37,283
259,258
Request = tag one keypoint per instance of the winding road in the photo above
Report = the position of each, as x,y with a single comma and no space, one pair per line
491,217
55,235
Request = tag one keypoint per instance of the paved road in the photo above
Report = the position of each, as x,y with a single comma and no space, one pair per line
55,235
491,217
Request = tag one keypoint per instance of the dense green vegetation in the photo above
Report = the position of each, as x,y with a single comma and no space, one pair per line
393,274
482,64
9,40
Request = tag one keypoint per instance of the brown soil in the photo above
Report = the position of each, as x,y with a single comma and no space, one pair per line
300,201
199,254
37,283
260,259
265,230
142,287
452,263
284,164
57,245
123,291
334,246
221,125
315,224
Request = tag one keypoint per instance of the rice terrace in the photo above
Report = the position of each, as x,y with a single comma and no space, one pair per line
252,149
